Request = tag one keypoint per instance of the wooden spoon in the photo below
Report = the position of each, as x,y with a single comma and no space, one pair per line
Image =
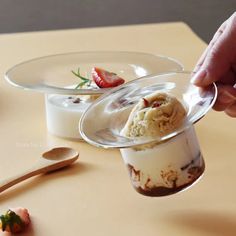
52,160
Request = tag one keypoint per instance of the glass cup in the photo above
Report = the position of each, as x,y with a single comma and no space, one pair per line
165,168
157,165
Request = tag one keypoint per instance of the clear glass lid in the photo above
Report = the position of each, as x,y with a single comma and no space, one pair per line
103,121
53,74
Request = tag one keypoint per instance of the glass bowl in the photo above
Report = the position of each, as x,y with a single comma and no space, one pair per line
157,166
111,110
52,75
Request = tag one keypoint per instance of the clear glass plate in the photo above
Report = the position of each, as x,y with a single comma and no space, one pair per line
52,74
101,124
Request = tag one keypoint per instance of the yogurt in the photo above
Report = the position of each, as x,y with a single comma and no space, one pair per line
63,113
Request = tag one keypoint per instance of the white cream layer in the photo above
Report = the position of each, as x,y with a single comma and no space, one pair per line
165,163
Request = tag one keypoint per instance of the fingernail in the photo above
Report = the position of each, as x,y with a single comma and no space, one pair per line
199,77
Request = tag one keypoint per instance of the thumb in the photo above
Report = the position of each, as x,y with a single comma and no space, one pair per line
219,58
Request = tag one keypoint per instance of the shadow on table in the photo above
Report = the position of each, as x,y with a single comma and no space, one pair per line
206,222
77,168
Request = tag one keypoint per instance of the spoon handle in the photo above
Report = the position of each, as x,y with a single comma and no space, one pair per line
40,168
9,182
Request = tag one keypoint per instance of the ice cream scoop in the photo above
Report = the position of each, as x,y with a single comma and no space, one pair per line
154,115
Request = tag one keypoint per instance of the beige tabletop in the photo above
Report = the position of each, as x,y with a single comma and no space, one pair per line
95,196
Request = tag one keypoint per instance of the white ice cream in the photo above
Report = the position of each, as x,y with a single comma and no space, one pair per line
154,115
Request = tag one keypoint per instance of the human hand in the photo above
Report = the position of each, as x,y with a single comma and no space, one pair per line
218,64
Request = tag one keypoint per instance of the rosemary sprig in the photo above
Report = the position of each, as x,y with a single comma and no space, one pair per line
84,80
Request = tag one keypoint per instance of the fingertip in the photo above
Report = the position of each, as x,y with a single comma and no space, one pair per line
226,100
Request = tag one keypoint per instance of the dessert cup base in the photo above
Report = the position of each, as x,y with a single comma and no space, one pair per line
162,191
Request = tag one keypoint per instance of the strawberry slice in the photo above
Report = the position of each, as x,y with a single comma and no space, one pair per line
106,79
